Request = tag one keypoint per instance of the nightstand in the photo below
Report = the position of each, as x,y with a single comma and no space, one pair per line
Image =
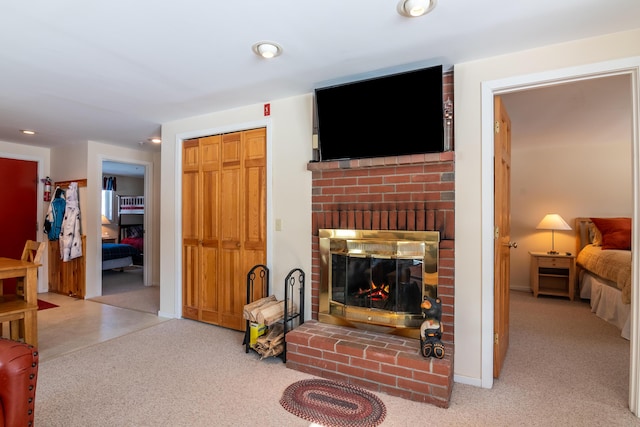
553,274
108,240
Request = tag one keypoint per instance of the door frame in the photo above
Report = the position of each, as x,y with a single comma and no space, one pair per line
238,127
628,66
148,214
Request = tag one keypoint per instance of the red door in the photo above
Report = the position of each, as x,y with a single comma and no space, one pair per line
18,208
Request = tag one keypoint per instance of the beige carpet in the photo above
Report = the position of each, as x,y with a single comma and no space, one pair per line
565,367
125,289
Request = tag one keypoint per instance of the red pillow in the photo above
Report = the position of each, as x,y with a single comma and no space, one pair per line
616,232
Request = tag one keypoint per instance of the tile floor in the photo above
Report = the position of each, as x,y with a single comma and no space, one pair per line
77,324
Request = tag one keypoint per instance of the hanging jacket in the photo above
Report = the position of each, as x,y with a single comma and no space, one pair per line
71,235
55,214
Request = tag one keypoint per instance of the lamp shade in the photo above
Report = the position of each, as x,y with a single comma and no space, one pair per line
553,222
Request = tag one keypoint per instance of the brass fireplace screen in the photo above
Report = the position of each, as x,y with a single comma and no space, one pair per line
376,279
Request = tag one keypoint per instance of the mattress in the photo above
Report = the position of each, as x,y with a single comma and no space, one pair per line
612,265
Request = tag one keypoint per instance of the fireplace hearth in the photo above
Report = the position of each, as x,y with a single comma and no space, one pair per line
376,279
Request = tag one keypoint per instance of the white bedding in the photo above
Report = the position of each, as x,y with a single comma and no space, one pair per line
605,300
610,264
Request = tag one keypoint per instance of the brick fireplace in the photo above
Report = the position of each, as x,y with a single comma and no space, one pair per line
413,193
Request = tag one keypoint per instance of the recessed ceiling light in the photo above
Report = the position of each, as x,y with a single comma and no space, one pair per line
156,140
267,50
415,8
28,132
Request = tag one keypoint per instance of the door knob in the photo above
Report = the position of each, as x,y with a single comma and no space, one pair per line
513,244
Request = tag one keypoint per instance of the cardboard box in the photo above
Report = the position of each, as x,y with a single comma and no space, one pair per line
256,330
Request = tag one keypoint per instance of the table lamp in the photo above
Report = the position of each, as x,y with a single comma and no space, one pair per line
553,222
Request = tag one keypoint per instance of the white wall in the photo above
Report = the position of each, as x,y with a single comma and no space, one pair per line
474,231
42,156
289,130
576,180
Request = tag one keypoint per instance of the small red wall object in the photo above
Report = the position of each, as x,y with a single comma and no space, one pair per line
267,110
47,189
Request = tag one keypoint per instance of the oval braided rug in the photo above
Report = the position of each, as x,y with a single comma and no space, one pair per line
333,404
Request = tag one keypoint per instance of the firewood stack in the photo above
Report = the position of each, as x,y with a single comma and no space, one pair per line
271,344
268,311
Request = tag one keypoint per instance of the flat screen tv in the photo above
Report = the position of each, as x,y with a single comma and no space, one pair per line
391,115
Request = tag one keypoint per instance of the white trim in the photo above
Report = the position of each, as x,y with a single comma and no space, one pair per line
148,214
467,380
629,66
180,137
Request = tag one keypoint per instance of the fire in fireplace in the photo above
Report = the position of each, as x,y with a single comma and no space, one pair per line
376,279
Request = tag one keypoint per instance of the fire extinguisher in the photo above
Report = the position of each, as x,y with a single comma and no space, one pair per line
47,189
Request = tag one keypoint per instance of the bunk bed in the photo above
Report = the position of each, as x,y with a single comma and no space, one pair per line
129,248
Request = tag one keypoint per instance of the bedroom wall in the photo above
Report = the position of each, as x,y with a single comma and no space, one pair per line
126,186
571,147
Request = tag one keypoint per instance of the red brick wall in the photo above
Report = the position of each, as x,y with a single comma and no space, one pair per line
378,362
413,193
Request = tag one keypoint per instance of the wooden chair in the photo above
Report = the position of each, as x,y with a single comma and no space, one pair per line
15,309
32,252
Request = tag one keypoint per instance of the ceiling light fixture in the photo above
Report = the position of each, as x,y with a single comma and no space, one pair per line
267,50
156,140
415,8
28,132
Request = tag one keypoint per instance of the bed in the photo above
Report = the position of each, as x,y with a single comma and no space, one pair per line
604,268
129,248
118,255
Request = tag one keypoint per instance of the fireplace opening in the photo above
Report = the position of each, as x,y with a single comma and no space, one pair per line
376,280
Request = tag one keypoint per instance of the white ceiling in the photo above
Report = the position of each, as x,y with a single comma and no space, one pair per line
114,71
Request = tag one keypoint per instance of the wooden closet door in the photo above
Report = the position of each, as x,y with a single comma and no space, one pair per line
209,211
231,187
190,229
224,223
255,198
200,166
243,192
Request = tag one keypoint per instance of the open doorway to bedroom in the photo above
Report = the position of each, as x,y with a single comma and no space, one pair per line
571,147
124,271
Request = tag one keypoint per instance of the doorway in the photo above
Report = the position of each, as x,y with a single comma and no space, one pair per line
489,90
126,285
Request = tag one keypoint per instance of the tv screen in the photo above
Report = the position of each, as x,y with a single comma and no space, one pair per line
392,115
